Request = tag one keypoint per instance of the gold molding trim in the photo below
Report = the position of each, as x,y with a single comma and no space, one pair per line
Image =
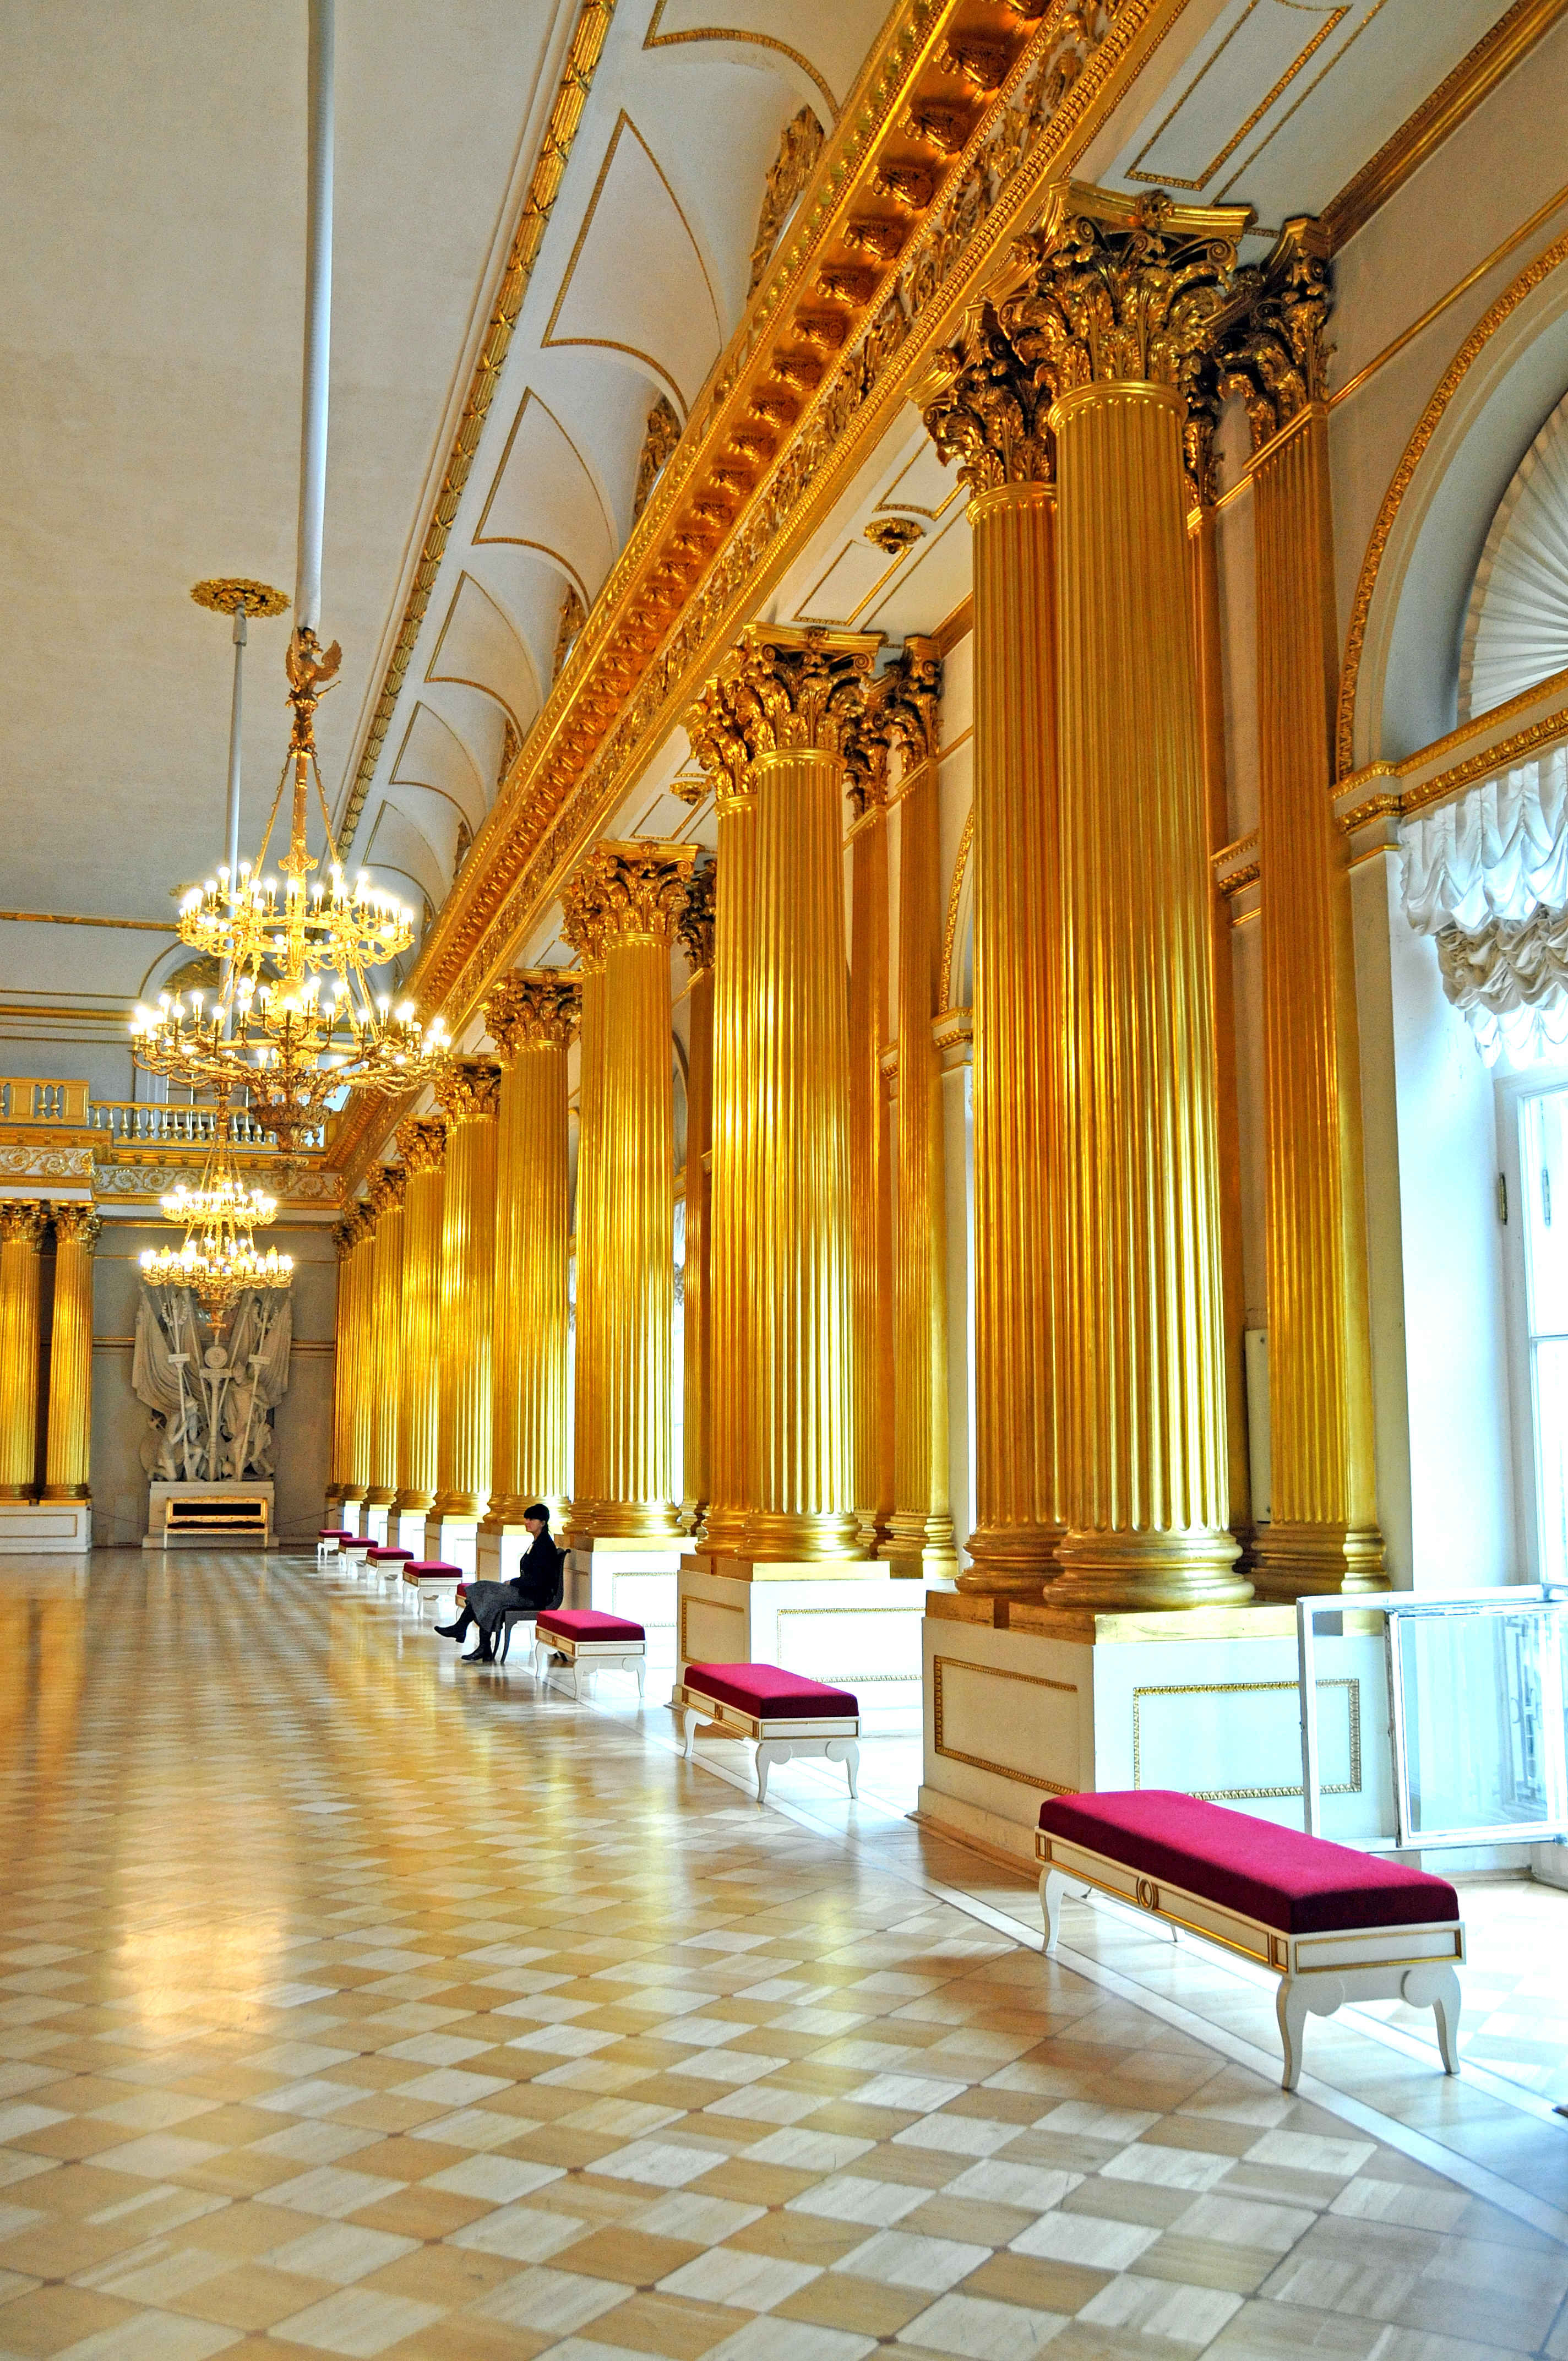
979,1762
543,188
950,925
1457,97
1350,1685
1335,18
1453,377
738,496
654,40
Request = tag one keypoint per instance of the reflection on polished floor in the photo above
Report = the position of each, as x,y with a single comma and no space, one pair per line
352,2004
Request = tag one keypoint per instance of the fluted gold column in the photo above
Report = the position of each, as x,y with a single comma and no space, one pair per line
68,1448
468,1094
1117,297
421,1144
21,1249
636,893
1322,1533
384,1196
532,1016
697,940
585,932
1204,582
362,1401
719,746
797,697
920,1537
981,403
343,1238
870,1177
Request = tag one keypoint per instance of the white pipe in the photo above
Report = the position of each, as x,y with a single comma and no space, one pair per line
318,322
235,715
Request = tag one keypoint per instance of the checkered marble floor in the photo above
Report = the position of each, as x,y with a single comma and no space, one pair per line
350,2004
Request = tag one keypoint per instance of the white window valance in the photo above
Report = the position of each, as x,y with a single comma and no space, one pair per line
1487,877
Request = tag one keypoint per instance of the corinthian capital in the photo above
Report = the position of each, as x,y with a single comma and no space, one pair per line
384,1190
720,745
627,892
533,1008
900,714
795,691
421,1143
470,1090
699,918
1276,354
1114,288
21,1222
77,1222
984,406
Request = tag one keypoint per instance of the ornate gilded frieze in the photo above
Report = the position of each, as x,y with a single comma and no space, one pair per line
470,1092
698,917
421,1143
533,1008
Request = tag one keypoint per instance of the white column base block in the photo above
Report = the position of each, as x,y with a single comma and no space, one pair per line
453,1539
1202,1700
498,1555
405,1529
633,1578
46,1528
375,1525
852,1625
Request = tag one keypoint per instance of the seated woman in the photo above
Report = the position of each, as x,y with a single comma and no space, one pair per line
538,1584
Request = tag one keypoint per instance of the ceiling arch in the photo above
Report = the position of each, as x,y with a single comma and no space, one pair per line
824,41
544,497
432,755
479,648
636,282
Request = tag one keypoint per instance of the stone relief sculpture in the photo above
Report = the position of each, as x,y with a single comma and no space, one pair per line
211,1405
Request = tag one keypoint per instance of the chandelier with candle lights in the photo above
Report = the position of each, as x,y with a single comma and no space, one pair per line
219,1260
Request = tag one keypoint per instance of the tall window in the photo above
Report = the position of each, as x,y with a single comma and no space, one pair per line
1544,1179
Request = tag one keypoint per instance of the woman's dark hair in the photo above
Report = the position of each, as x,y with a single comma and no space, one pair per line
538,1511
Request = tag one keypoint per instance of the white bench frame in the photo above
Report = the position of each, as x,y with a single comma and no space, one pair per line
386,1569
589,1656
327,1545
1317,1972
357,1551
432,1585
776,1740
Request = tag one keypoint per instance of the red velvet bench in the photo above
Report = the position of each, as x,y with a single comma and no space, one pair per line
1333,1923
432,1577
330,1540
587,1640
388,1561
782,1713
356,1546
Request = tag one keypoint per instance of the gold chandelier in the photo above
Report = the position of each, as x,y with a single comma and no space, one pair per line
271,1034
219,1260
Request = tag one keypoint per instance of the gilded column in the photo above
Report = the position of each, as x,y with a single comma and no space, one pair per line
532,1016
384,1197
718,744
421,1144
920,1538
1322,1534
468,1094
870,1177
1115,304
362,1400
585,932
983,403
632,896
797,697
1204,582
69,1443
697,930
343,1372
21,1249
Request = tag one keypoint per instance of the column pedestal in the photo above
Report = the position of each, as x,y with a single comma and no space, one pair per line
450,1538
406,1524
499,1548
376,1519
848,1623
45,1528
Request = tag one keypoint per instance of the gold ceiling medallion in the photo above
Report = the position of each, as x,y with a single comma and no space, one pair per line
235,594
893,535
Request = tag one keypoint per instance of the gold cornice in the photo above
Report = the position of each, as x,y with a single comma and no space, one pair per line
1364,796
1473,79
549,170
737,498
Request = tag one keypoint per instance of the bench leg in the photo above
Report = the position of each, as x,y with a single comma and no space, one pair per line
1437,1988
689,1719
847,1751
541,1658
641,1681
1290,2007
1053,1885
769,1752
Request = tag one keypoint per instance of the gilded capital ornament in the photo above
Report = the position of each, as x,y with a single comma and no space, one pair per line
984,405
80,1223
385,1189
470,1090
899,714
793,691
421,1143
720,745
533,1008
21,1221
699,918
1276,354
627,892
